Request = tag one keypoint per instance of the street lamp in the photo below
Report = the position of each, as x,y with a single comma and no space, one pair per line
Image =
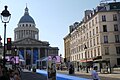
85,48
60,62
0,42
15,55
5,18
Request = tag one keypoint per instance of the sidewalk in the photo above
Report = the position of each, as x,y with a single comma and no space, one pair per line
83,73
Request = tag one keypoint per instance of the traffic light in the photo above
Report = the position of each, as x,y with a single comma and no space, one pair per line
9,44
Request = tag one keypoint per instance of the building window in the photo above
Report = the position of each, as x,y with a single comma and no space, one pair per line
104,28
118,61
94,52
90,33
79,48
94,41
75,57
115,27
105,39
118,50
86,26
96,20
92,22
90,43
98,51
93,32
97,40
91,54
87,35
106,50
96,30
82,55
26,24
114,17
79,56
88,55
89,24
116,38
103,18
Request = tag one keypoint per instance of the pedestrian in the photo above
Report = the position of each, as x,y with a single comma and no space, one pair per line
1,73
16,76
94,73
11,74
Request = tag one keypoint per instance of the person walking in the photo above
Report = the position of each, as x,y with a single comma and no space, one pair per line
16,76
11,75
1,73
94,73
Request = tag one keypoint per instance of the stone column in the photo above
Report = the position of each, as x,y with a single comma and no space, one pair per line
32,56
38,53
19,34
31,34
45,52
23,33
25,55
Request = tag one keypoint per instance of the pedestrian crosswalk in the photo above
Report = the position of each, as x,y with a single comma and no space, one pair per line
62,76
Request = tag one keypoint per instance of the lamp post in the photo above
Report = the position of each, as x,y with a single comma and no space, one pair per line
85,48
5,18
0,42
15,55
60,62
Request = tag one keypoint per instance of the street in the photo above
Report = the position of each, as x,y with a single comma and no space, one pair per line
32,76
28,75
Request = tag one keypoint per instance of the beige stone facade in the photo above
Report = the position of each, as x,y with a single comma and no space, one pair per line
100,32
29,47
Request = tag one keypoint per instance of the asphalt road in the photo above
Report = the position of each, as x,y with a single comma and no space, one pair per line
32,76
37,76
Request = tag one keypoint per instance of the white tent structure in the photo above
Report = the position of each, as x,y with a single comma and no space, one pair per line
46,59
39,62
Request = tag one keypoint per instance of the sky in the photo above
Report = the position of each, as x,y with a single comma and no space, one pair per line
52,17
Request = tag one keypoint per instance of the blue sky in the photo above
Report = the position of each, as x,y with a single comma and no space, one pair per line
52,17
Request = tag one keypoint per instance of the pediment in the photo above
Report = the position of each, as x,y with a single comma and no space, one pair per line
30,41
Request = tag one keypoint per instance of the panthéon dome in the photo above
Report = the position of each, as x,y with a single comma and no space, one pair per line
26,18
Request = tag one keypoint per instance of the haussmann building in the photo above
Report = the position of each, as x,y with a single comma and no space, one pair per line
99,31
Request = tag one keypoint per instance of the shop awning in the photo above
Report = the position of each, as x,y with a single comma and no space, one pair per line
88,60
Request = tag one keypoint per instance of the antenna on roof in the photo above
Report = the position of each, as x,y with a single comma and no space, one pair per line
26,4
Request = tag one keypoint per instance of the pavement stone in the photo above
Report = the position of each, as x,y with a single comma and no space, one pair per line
113,76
